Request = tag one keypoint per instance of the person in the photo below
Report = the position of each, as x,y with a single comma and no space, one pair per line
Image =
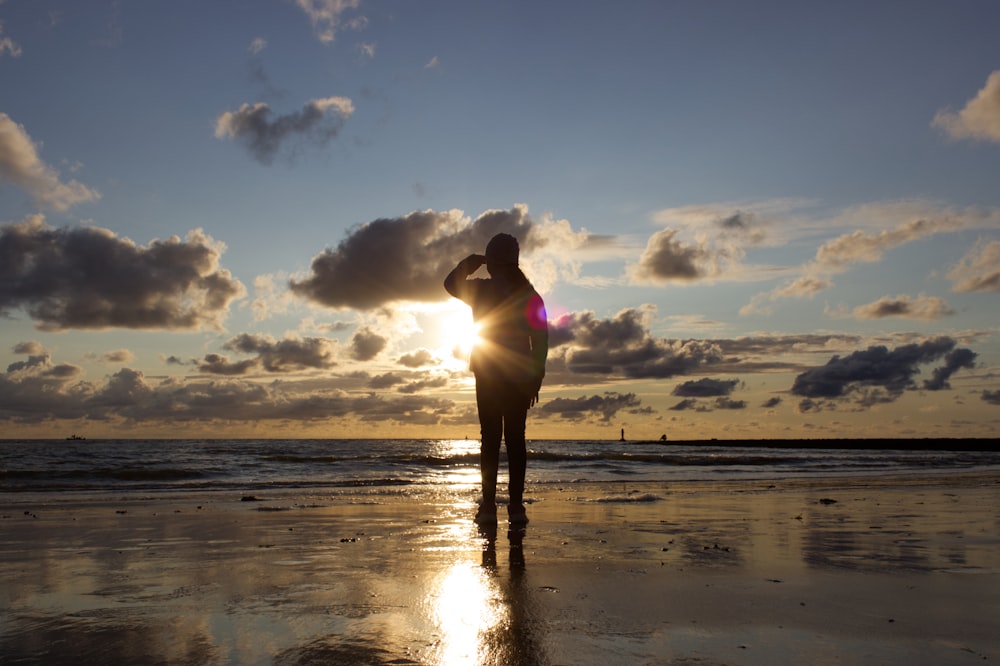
508,362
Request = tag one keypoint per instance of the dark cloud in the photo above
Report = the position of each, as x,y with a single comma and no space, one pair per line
317,124
606,405
878,374
992,397
366,344
666,258
87,278
588,345
424,384
270,355
419,358
287,354
954,360
721,402
705,388
216,364
927,308
387,380
406,258
689,403
773,401
37,390
729,403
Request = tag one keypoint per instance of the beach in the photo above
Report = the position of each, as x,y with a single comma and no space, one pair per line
809,571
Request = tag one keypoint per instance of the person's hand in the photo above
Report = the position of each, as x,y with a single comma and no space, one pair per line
473,262
534,400
535,389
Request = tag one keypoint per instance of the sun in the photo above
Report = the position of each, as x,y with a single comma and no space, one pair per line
456,333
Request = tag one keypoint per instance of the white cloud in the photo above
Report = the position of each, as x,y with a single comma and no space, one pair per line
979,119
326,16
21,166
883,227
257,45
979,270
8,45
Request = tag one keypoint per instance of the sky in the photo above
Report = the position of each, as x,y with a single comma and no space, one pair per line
747,220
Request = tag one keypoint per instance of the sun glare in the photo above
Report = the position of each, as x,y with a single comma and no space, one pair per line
457,332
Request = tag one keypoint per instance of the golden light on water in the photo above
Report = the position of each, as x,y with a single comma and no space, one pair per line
465,606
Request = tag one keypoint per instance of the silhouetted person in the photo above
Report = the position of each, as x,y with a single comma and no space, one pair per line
508,362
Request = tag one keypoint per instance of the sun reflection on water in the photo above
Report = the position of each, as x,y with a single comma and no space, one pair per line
465,472
465,606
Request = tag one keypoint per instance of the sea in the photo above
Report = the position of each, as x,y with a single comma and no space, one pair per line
251,467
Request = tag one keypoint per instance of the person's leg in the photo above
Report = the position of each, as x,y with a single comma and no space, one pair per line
491,431
514,417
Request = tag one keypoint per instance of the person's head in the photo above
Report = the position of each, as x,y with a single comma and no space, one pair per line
501,253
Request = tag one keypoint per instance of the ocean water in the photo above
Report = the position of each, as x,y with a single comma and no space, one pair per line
344,465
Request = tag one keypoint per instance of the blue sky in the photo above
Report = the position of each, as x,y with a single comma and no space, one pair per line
757,220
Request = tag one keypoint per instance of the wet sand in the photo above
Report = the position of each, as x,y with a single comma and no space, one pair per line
878,571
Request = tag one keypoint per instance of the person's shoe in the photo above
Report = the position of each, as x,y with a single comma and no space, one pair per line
516,514
486,515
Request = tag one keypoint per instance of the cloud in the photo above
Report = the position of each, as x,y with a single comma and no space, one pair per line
925,308
366,344
37,390
771,402
979,270
421,385
954,360
433,63
386,380
979,119
585,344
217,364
878,374
326,16
705,388
21,166
318,123
31,347
88,278
698,406
391,260
257,45
367,50
287,354
419,358
118,356
716,247
8,46
666,258
992,397
909,221
607,406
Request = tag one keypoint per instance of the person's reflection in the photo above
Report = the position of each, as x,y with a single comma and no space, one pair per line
513,640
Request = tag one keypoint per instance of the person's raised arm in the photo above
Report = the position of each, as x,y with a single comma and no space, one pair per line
455,282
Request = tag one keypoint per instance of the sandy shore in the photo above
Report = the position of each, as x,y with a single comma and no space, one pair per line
838,572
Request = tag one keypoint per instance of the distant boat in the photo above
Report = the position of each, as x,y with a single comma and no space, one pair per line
76,438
